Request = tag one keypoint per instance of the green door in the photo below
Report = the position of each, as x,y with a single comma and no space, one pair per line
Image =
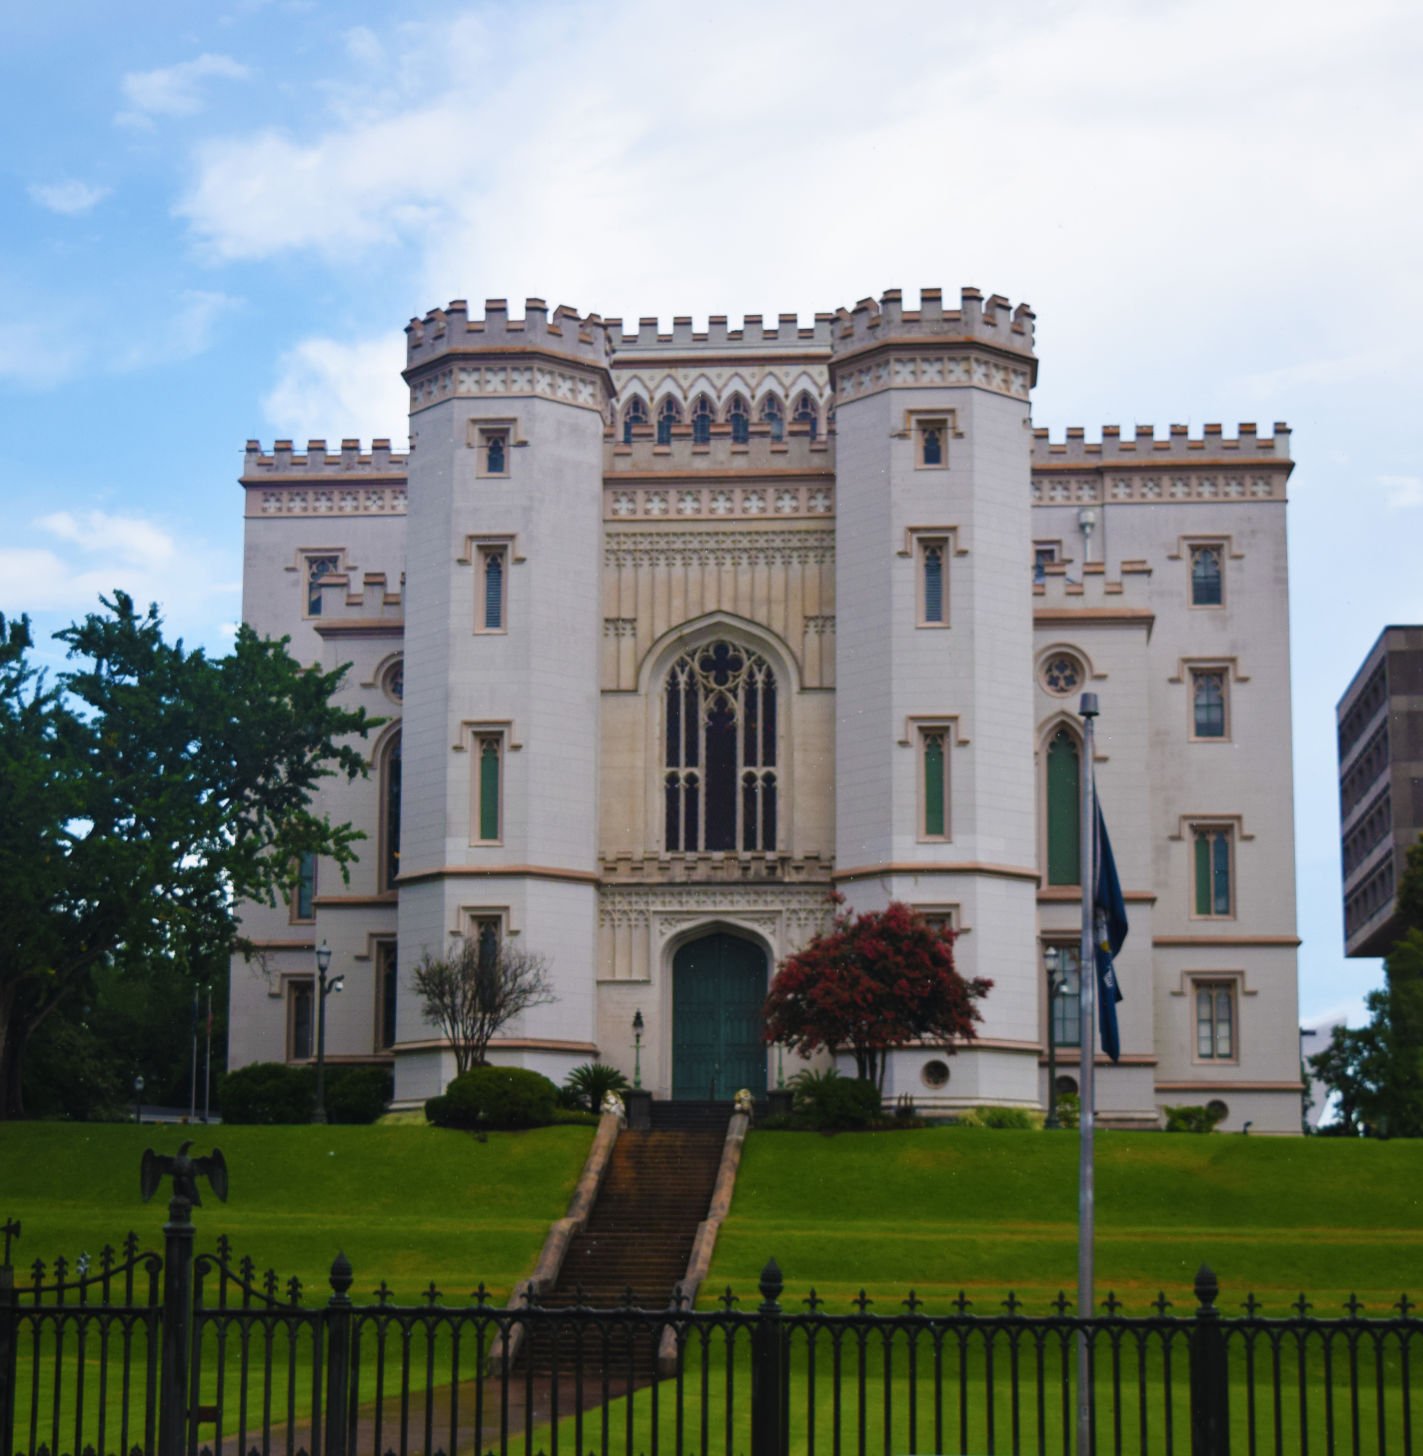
718,987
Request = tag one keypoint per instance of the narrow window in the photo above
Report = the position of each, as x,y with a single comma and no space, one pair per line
1214,897
492,562
934,777
807,414
1206,583
300,1006
1215,1021
1067,995
739,418
1208,703
667,416
488,751
774,416
1043,557
931,584
390,815
496,445
931,437
387,987
634,417
318,568
701,421
1064,810
304,898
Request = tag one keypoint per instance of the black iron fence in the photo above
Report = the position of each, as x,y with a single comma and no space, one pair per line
178,1355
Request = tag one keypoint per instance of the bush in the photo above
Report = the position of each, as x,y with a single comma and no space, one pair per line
1191,1119
586,1086
827,1102
357,1094
1005,1119
575,1117
1069,1109
495,1097
267,1093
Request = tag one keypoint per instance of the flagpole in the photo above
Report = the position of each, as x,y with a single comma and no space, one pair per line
207,1064
193,1079
1087,980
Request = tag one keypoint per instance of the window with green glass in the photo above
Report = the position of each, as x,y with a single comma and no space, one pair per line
1214,894
1064,810
490,767
933,746
304,900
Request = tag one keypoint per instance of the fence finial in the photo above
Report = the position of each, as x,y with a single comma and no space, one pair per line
1207,1286
341,1273
11,1230
771,1282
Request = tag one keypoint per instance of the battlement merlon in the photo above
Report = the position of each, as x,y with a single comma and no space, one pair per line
987,322
448,331
286,464
785,336
1145,447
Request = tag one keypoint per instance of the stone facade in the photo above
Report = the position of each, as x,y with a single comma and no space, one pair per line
679,631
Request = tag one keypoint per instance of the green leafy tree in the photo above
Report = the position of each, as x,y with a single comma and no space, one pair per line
870,983
143,793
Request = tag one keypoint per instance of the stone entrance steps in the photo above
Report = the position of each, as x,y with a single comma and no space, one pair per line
634,1248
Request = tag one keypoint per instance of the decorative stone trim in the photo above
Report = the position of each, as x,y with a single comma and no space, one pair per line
502,381
719,548
1157,487
716,502
895,370
353,500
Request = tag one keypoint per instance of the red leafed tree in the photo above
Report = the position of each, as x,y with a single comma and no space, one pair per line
872,982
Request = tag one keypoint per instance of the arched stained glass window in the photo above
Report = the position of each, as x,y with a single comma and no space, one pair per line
670,414
1064,810
390,815
739,418
634,417
719,783
774,416
702,414
806,413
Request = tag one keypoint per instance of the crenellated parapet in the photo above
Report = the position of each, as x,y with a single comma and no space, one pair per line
1151,470
786,335
317,482
985,343
1086,590
368,604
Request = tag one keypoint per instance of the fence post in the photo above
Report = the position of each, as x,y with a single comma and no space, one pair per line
338,1360
1210,1390
768,1413
177,1323
8,1341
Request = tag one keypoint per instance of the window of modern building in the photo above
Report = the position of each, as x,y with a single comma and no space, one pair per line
318,567
635,417
1207,576
1066,998
720,786
488,787
493,563
303,902
774,416
933,595
301,1020
1215,1021
1208,702
387,994
702,415
1214,892
670,414
807,414
391,770
1064,809
934,782
738,416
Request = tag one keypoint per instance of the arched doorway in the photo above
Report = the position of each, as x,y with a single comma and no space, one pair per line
718,987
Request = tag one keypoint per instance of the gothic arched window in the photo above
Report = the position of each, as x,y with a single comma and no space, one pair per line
669,415
720,750
739,418
702,414
807,414
390,815
774,416
634,417
1064,810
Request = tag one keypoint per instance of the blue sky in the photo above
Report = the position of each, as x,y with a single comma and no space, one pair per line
217,218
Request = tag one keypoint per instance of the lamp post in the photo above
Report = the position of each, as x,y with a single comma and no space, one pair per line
637,1025
324,988
138,1096
1050,959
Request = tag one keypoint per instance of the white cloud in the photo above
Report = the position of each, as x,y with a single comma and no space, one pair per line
69,197
329,388
174,90
1402,491
128,539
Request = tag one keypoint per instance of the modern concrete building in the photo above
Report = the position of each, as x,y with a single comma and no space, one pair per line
1380,721
679,630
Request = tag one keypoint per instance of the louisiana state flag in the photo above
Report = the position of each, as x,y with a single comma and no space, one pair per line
1110,922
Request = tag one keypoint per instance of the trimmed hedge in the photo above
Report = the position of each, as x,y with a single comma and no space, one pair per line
494,1098
1191,1119
266,1093
827,1102
358,1094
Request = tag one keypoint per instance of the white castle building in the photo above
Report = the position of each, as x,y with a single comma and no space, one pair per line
675,632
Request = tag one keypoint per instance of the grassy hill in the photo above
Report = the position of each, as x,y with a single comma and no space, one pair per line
949,1208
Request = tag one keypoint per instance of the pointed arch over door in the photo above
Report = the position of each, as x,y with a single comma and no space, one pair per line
719,984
